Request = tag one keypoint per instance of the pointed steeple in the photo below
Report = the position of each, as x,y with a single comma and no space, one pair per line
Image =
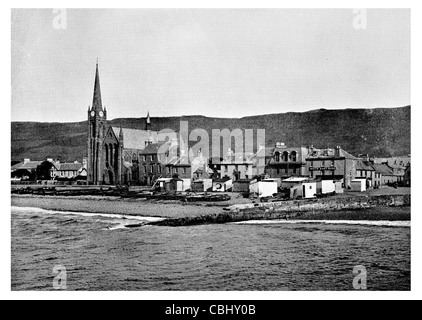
96,101
148,122
121,134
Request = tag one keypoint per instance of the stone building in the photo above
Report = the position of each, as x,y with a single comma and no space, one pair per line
287,162
113,152
327,164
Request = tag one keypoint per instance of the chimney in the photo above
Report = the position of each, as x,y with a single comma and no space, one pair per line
338,148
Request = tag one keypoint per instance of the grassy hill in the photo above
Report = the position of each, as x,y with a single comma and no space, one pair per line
379,132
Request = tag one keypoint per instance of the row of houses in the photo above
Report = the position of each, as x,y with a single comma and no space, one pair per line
49,170
280,162
151,166
336,164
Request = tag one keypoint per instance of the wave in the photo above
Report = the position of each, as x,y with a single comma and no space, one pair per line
380,223
86,214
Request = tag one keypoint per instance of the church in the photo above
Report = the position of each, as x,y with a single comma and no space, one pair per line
113,152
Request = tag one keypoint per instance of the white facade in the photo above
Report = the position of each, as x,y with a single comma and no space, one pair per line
263,188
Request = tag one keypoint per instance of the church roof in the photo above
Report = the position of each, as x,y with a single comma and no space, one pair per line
135,138
153,148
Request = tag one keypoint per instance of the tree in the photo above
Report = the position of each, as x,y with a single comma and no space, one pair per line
43,170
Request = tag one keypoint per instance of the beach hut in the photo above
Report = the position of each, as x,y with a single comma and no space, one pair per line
290,182
339,187
358,185
174,185
241,185
202,185
186,184
305,190
222,185
161,183
326,186
263,188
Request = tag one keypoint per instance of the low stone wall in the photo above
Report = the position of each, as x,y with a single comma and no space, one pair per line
284,209
329,203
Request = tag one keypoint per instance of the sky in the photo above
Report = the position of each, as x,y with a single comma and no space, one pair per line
212,62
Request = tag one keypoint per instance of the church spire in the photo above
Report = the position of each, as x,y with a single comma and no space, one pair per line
96,101
148,123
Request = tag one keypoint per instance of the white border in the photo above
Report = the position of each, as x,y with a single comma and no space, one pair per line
5,223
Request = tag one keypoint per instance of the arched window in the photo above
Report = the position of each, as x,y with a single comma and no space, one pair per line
293,156
285,156
277,156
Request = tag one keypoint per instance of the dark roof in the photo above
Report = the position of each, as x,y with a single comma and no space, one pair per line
69,166
134,138
152,148
224,179
364,166
30,165
330,154
383,169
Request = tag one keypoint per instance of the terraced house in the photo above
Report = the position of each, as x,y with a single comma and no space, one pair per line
287,162
332,164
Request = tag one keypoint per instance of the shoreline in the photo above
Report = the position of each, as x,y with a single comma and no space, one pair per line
176,213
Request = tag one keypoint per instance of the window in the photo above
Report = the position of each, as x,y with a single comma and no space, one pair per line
293,156
152,158
175,170
168,169
285,157
286,170
332,163
277,156
144,158
278,171
159,169
322,163
294,171
152,169
184,170
145,169
226,168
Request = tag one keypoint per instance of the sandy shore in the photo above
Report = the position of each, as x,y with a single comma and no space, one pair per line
112,205
178,209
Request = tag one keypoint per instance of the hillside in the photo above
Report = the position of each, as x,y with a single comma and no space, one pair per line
379,132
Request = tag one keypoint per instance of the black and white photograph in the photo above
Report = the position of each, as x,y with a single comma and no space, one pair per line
210,150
